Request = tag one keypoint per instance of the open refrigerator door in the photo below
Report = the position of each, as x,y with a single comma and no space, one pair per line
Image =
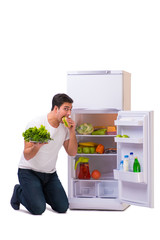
137,128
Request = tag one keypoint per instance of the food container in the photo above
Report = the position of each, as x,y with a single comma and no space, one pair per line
111,130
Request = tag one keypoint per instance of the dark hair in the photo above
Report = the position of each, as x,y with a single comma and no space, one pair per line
59,99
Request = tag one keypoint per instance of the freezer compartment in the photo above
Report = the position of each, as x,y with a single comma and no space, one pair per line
95,189
100,89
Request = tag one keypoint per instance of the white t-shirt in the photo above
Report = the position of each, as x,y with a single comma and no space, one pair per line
46,158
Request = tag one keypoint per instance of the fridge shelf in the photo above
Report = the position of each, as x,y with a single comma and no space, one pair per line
128,140
128,176
96,154
132,122
80,135
104,177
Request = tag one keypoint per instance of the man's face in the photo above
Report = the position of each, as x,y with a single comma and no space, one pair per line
64,110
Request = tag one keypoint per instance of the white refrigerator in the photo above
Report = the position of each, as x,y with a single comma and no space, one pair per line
116,189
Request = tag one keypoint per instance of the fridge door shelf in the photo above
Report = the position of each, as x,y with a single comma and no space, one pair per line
128,176
96,189
128,122
128,140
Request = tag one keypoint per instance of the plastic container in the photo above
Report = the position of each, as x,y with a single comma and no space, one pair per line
131,161
121,166
84,189
126,163
111,130
108,189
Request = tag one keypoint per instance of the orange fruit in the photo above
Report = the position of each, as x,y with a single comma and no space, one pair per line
96,174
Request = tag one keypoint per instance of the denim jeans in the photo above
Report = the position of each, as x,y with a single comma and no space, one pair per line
36,189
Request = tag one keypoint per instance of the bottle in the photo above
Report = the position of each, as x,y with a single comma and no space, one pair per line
121,166
126,163
136,165
131,161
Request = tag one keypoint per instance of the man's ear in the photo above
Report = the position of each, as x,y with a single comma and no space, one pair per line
56,109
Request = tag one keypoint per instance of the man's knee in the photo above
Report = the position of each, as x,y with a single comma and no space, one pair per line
37,209
62,208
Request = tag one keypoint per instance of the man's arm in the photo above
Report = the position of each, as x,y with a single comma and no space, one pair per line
31,149
71,145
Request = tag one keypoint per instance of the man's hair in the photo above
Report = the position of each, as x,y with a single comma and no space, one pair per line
59,99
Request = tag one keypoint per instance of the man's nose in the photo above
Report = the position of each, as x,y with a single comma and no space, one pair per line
68,112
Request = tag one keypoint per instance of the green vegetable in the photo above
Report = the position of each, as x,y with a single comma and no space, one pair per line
85,128
37,134
99,132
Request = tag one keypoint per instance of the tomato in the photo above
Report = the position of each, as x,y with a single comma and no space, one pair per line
96,174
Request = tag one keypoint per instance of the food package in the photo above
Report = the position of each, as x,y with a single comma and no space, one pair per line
111,130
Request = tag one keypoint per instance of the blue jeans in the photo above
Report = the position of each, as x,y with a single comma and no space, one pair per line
36,189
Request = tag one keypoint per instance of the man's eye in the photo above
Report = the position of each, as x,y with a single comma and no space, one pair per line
67,109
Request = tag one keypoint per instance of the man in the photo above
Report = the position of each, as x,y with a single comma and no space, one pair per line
39,182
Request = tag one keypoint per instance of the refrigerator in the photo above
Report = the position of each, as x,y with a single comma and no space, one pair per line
103,99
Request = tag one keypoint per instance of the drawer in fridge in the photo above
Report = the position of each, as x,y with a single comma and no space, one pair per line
108,189
84,189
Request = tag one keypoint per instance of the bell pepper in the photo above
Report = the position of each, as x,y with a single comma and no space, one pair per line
99,132
100,149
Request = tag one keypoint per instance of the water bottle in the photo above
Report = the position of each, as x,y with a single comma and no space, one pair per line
131,161
126,163
121,166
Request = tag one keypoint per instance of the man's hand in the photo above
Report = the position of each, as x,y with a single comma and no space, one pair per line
71,144
71,124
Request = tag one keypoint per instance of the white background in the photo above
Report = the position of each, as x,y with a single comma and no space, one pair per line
39,42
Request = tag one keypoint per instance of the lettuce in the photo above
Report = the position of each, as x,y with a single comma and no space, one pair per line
85,129
35,134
